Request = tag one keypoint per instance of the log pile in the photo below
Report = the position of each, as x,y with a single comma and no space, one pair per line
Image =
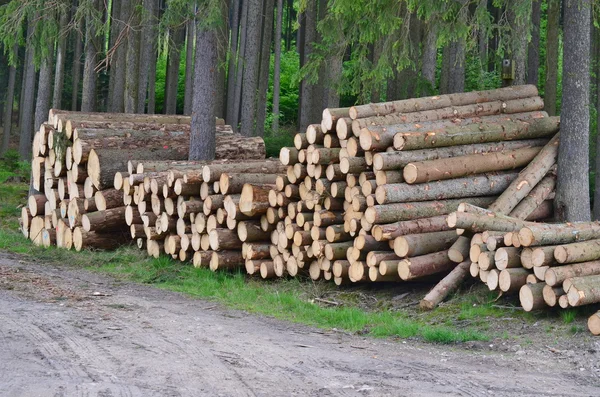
370,186
81,195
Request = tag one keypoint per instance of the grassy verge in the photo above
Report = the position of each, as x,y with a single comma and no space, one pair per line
381,311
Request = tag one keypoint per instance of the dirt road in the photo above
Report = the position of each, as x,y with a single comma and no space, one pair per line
68,332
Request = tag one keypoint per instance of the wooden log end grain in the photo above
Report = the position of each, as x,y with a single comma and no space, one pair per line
531,297
594,323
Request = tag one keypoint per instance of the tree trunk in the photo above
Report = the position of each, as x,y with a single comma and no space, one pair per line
147,59
429,62
550,85
433,170
121,14
8,109
152,82
132,75
59,72
223,33
572,194
517,48
176,40
533,51
456,78
189,67
236,6
265,58
596,201
203,140
90,77
251,69
307,89
28,100
234,117
76,70
44,93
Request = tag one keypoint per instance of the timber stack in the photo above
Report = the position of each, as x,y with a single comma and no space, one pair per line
547,265
371,186
75,200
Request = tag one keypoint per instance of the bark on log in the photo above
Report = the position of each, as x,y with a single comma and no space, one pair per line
437,102
477,133
555,276
481,223
224,239
227,260
584,291
424,243
111,219
432,170
535,198
254,199
86,239
465,111
388,213
551,294
445,287
213,172
549,234
529,177
425,265
578,252
475,186
109,198
230,183
422,225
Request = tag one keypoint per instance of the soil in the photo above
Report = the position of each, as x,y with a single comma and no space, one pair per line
71,332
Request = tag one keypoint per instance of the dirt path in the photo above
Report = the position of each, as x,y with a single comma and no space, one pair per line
68,332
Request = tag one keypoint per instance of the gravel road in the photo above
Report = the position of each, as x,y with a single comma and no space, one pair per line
70,332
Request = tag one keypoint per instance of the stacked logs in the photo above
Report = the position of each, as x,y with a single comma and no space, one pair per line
75,201
211,214
548,265
370,187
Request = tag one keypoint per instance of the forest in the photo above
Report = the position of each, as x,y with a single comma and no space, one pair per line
269,68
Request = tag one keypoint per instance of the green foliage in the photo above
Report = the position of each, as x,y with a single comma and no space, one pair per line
568,315
275,141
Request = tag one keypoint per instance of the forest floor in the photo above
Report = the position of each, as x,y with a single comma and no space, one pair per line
68,332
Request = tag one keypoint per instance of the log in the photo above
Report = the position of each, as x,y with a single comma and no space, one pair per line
543,256
486,261
132,216
445,287
476,250
213,172
464,111
594,323
437,102
531,297
459,251
477,133
424,243
554,276
511,280
492,278
549,234
227,260
475,186
507,257
86,239
336,233
535,198
529,177
109,198
388,213
111,219
423,225
36,203
224,239
456,167
481,223
233,183
584,291
250,232
331,116
425,265
551,294
336,251
578,252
